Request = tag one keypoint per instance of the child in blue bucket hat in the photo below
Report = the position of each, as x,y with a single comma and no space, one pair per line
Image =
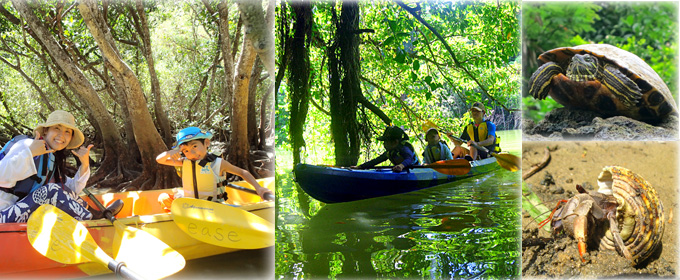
201,171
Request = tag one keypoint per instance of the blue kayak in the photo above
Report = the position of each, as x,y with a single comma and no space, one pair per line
335,184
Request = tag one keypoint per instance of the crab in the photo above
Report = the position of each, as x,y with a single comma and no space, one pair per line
581,216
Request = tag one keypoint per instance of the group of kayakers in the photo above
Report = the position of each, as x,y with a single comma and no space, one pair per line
401,153
32,170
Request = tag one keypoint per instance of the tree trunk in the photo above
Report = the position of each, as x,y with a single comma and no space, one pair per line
253,102
298,76
265,126
228,87
345,72
259,31
161,116
238,146
114,151
147,137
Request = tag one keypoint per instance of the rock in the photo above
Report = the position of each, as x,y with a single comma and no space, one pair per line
556,190
566,123
548,180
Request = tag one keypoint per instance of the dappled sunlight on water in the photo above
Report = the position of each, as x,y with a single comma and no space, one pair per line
464,229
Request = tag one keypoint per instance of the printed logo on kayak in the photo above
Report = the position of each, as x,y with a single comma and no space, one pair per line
191,206
217,233
207,231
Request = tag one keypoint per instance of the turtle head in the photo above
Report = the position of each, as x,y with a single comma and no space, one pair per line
582,68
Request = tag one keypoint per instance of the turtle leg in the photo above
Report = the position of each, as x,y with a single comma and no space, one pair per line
621,86
539,84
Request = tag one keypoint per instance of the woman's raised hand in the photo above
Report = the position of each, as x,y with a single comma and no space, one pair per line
39,147
83,155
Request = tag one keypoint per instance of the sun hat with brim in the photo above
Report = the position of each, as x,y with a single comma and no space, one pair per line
67,120
191,133
392,133
432,130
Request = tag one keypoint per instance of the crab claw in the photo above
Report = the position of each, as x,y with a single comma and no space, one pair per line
580,233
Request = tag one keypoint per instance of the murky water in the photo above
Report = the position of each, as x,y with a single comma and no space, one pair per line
465,229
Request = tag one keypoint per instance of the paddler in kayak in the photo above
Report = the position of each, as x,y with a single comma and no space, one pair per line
436,149
200,170
481,132
397,149
32,172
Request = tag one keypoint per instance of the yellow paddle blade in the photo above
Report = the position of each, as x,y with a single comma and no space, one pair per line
62,238
222,225
508,161
145,254
427,125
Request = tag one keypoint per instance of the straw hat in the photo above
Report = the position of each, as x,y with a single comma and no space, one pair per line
66,119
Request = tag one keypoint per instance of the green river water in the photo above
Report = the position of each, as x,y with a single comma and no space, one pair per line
465,229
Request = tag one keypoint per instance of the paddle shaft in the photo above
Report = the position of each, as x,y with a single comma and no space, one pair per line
109,216
119,268
267,196
415,166
478,147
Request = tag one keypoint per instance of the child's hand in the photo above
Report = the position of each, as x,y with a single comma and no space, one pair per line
264,193
174,154
398,168
39,147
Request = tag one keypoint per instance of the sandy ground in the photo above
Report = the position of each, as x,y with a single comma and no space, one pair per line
580,163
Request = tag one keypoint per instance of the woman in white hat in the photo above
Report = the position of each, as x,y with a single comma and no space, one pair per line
32,171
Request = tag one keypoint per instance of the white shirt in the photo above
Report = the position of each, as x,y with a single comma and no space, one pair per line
18,164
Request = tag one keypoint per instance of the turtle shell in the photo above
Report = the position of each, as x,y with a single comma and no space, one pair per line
656,102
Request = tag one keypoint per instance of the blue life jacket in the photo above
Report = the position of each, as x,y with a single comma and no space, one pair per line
44,164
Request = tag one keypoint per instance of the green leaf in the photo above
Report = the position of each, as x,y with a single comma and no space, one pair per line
401,57
416,65
388,41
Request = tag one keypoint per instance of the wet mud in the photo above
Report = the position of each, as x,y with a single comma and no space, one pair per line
580,163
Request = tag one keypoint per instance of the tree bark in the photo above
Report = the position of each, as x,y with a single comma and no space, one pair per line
147,137
265,126
253,102
114,151
227,58
344,66
238,146
161,115
259,31
298,76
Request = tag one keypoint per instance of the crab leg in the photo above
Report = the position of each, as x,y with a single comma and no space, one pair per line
614,228
581,224
542,223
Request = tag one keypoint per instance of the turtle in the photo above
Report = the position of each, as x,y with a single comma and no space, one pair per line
604,79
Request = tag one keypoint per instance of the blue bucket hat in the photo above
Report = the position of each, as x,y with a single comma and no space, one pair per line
191,133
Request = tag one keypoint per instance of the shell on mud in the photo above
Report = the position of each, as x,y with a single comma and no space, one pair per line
639,213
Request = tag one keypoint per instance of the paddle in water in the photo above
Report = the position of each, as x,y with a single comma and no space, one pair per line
59,237
156,259
506,161
222,225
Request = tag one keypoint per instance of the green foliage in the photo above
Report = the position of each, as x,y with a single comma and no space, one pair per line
184,44
408,73
647,29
